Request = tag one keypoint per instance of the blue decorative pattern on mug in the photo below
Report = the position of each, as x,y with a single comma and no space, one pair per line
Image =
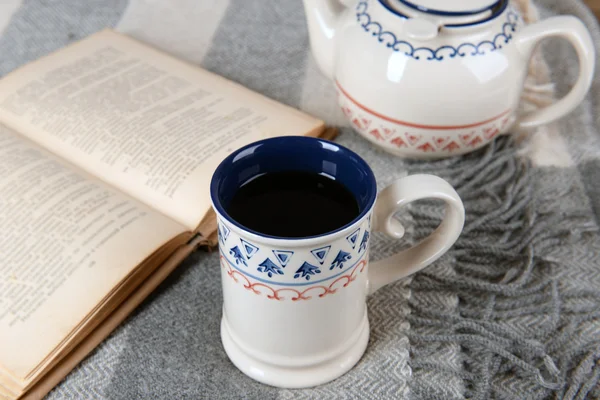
353,237
321,253
283,256
249,248
306,270
306,266
340,259
238,256
270,268
364,241
464,49
226,232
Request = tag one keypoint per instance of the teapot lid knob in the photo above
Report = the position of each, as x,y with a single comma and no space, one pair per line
420,29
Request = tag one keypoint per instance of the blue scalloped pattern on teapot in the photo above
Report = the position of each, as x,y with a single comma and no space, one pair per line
473,49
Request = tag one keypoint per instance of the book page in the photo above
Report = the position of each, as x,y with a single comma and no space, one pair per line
124,309
153,126
67,240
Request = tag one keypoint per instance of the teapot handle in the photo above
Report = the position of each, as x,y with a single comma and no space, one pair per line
572,29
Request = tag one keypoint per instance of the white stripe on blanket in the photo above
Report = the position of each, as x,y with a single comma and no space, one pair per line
7,9
183,28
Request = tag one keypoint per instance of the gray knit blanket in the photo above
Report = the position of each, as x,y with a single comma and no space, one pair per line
512,311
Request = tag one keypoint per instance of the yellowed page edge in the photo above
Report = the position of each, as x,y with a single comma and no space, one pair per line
53,378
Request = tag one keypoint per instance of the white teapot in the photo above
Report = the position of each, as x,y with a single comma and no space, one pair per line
437,78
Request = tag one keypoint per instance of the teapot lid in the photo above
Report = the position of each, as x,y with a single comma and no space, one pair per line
451,8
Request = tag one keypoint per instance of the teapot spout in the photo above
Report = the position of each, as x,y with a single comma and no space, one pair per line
322,19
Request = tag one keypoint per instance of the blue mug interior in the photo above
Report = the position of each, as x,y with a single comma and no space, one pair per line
293,153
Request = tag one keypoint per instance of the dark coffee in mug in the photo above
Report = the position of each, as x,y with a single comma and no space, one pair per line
293,204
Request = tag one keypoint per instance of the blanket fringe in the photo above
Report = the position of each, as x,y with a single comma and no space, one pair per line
500,271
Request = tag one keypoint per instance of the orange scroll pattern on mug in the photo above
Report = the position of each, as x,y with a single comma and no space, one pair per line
276,294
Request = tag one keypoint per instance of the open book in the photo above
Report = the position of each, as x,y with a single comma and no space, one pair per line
107,148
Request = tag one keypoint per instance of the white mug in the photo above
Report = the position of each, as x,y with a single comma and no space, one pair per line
294,309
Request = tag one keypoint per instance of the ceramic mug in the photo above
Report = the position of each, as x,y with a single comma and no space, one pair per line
294,309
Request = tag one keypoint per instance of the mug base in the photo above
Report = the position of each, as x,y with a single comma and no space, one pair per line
295,377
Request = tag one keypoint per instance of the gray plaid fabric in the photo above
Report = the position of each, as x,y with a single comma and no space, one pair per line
511,312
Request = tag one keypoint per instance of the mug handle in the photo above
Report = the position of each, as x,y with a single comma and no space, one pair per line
392,199
572,29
